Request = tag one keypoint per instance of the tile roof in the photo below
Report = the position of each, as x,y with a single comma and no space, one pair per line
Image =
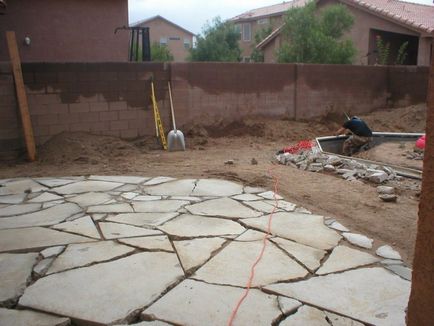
276,9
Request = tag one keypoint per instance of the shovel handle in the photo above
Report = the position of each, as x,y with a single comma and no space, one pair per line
171,107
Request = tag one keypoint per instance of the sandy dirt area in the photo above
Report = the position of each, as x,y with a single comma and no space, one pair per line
354,204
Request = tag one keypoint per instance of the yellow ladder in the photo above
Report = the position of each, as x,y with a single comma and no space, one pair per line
158,124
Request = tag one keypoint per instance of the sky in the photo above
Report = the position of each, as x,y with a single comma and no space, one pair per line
193,14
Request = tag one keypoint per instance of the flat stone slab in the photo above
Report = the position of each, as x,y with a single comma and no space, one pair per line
232,265
282,204
338,226
117,230
252,235
90,198
46,196
288,305
159,242
15,269
86,186
82,226
247,197
49,216
12,199
142,219
82,254
19,209
151,272
358,240
129,195
215,187
51,183
388,252
308,256
175,188
400,270
303,228
20,186
194,253
52,251
197,303
261,206
42,266
147,198
9,317
270,195
159,206
35,238
158,180
119,179
224,207
381,296
306,315
188,225
111,208
343,258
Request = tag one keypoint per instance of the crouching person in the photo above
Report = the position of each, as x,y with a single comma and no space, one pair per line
360,135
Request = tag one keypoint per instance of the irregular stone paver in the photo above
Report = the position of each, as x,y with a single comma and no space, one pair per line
27,317
159,242
194,253
381,296
15,269
12,199
52,251
49,216
391,262
306,315
117,230
388,252
83,226
128,188
174,188
20,186
195,226
147,198
224,207
358,240
86,186
337,320
119,179
308,256
46,196
82,254
282,204
338,226
159,206
19,209
252,235
214,187
111,208
261,206
90,198
35,238
142,219
49,204
104,304
232,265
188,198
42,266
343,258
55,182
247,197
288,305
196,303
158,180
129,195
270,195
303,228
400,270
98,217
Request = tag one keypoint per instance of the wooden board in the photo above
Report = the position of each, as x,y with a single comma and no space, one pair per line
21,95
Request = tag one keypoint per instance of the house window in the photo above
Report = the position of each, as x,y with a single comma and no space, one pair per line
263,21
163,40
247,33
186,43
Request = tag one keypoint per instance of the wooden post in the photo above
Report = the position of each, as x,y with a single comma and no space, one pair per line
21,95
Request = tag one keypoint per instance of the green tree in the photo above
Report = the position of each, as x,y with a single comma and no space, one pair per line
218,42
258,55
160,52
310,36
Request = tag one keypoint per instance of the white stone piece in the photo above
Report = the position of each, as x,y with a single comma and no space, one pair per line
52,251
82,254
282,204
261,206
224,207
35,238
15,187
358,240
42,266
302,228
98,217
90,198
401,271
338,226
270,195
49,204
378,177
302,210
388,198
158,206
14,317
49,216
247,197
381,296
388,252
111,208
232,265
214,187
343,258
337,320
306,315
159,242
308,256
82,226
194,253
174,188
187,198
252,235
86,186
253,190
147,198
196,304
116,230
386,190
158,180
12,199
15,269
391,262
152,272
119,179
19,209
129,195
142,219
195,226
51,183
288,305
46,196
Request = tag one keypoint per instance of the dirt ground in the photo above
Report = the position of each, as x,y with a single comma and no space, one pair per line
354,204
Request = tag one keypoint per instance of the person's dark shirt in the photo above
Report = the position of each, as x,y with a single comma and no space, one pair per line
358,127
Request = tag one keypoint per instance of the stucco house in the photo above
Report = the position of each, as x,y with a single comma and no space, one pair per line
66,30
395,21
164,32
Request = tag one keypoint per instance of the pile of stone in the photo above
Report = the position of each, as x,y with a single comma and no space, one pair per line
315,161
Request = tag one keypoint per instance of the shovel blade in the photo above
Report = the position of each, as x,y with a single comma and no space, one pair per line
175,141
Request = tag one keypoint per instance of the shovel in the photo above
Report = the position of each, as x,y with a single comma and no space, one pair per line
175,138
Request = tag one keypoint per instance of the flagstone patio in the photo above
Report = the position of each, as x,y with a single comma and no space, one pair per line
114,250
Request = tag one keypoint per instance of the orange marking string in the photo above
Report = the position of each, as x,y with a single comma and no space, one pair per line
261,253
